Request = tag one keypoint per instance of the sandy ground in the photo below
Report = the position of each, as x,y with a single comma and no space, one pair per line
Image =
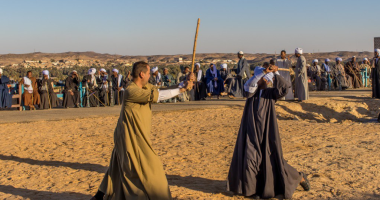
330,139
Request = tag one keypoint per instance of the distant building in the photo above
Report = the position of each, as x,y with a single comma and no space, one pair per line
377,42
30,61
178,60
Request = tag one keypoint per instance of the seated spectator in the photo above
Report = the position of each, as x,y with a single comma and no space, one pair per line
5,97
214,81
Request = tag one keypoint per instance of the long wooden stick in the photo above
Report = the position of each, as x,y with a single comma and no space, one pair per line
282,69
195,46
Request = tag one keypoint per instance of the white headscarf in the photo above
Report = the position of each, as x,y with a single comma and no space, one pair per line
92,71
46,72
154,69
327,60
103,70
223,66
299,50
365,59
315,61
115,70
241,53
27,81
377,50
337,58
73,72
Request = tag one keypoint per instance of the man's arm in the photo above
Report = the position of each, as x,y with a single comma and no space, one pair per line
251,85
141,95
247,70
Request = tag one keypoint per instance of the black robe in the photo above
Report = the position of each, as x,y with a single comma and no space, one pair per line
71,101
118,95
93,93
258,166
45,95
376,80
199,91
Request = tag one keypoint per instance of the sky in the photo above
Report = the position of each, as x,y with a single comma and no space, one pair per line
167,27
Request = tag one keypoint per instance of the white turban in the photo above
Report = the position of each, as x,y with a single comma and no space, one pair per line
223,66
197,64
365,59
299,50
1,71
377,50
46,72
327,60
115,70
315,61
241,52
154,69
91,71
337,58
103,70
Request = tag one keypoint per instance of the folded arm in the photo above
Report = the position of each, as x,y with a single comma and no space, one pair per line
251,85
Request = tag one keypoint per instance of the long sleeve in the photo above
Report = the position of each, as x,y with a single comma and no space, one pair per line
218,74
247,70
68,86
281,86
251,85
167,94
209,75
142,95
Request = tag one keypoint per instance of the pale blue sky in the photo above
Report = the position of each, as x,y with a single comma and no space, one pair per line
168,27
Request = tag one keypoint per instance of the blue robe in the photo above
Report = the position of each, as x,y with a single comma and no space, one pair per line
5,97
210,82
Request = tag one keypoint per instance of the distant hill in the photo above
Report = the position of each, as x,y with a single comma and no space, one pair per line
8,59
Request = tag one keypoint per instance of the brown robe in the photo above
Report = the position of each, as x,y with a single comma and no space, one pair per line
352,69
31,99
135,171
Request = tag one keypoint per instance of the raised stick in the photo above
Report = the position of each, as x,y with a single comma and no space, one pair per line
195,46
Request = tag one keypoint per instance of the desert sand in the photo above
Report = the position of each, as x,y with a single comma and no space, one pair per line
335,141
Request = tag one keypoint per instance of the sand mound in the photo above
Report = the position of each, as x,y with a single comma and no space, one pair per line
330,109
